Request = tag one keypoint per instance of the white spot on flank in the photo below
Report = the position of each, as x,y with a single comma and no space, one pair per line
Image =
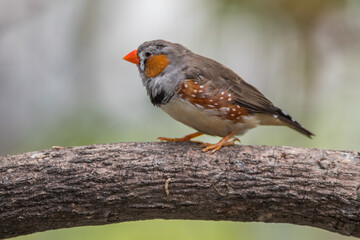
210,105
224,109
222,93
275,116
193,95
238,118
229,99
196,82
195,91
229,95
199,106
232,114
216,104
237,106
210,100
200,91
221,98
234,110
201,86
185,85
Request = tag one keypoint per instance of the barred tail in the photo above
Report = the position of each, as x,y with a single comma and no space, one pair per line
292,123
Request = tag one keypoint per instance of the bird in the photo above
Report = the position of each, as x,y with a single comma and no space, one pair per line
204,94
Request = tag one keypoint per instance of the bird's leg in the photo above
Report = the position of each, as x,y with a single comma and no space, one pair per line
223,142
186,138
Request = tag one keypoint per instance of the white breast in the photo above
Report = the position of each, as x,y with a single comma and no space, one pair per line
206,120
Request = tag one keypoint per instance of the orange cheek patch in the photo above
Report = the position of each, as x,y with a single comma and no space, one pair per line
155,65
215,99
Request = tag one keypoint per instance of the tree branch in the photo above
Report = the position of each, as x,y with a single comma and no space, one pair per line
101,184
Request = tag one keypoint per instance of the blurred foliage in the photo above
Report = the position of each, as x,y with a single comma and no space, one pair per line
305,13
302,15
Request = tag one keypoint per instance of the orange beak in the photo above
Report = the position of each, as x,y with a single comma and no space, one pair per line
132,57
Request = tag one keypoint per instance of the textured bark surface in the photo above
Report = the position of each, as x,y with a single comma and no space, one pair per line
101,184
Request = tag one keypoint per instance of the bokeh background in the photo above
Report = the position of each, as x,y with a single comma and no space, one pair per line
63,82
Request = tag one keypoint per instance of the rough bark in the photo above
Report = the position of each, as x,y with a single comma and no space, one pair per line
101,184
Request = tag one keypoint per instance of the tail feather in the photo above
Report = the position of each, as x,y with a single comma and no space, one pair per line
292,123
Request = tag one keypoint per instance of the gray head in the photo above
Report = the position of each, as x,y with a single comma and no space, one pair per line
158,63
173,51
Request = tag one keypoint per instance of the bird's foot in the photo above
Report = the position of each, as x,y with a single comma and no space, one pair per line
222,143
186,138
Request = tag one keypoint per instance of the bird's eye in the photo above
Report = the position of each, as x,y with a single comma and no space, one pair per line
147,54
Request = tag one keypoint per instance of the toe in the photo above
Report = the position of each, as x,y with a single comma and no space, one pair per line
211,146
166,139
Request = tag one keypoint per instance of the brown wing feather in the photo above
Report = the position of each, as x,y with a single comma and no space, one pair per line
247,96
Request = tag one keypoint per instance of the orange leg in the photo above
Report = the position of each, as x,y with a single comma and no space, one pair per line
186,138
223,142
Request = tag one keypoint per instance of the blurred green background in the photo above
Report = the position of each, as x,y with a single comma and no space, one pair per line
63,82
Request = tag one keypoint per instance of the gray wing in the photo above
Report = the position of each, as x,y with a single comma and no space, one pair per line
221,77
246,95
